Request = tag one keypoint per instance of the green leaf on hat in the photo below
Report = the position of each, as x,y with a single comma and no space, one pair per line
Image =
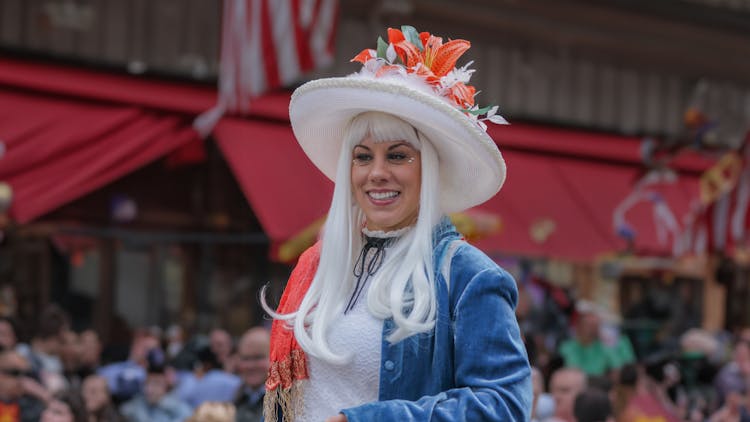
479,111
382,48
411,35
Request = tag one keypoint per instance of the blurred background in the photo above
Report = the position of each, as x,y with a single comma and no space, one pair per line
149,177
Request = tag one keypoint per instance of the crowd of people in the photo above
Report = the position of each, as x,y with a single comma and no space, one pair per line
58,375
588,374
586,369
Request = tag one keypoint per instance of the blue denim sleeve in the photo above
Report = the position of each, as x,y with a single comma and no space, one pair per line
492,374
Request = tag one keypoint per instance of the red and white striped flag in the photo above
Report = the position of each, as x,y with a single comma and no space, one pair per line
728,217
721,222
268,44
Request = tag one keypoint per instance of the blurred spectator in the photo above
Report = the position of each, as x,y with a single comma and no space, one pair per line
624,389
90,351
8,333
565,385
70,352
125,379
21,397
743,334
546,324
735,405
175,341
98,400
221,346
214,412
587,352
593,405
735,375
252,366
542,405
65,406
650,401
700,341
207,381
702,353
154,403
46,346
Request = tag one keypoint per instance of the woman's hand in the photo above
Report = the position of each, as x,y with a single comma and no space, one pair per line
338,418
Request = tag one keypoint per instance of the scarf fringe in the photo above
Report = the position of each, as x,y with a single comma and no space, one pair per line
286,400
284,387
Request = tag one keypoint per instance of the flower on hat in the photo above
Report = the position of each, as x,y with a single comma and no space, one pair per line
411,54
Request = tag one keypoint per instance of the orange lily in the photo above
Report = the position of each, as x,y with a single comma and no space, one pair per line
364,56
438,57
446,55
407,52
427,75
462,94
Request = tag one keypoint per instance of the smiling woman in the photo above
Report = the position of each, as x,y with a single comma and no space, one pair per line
394,316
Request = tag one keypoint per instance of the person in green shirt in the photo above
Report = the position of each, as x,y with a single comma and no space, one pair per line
590,351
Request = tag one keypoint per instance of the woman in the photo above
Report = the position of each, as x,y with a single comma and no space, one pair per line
65,406
98,400
391,316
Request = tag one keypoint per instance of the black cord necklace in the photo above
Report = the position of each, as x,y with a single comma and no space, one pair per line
367,265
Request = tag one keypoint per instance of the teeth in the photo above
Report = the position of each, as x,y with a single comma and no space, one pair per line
383,195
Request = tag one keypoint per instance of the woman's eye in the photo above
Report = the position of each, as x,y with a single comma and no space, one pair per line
362,158
397,157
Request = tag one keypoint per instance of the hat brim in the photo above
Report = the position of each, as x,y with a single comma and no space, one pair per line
472,169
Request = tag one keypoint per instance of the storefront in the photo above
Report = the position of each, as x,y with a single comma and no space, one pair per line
211,214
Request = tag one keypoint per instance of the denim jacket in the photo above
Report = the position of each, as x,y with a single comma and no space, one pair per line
473,365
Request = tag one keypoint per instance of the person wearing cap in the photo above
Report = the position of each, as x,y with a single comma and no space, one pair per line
392,316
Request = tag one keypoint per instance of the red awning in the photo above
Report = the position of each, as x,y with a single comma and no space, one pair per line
283,187
558,201
68,130
58,150
563,208
105,87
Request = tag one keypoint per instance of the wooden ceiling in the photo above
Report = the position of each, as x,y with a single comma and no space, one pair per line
684,38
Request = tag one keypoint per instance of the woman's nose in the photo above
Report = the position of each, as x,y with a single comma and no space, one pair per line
379,169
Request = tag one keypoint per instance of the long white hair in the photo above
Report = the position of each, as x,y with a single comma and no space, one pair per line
404,286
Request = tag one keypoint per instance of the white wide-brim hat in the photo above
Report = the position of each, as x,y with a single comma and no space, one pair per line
471,167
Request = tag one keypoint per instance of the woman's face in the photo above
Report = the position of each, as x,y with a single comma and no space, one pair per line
386,180
95,393
57,411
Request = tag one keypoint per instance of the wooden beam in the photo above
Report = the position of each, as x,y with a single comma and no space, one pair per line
603,33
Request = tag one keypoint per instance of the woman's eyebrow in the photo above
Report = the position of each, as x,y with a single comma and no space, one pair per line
402,143
362,146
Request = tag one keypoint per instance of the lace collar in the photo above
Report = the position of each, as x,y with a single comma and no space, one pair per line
380,234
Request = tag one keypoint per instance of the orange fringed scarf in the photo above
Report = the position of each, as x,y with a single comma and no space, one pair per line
288,360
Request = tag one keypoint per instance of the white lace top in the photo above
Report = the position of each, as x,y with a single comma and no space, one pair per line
335,387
